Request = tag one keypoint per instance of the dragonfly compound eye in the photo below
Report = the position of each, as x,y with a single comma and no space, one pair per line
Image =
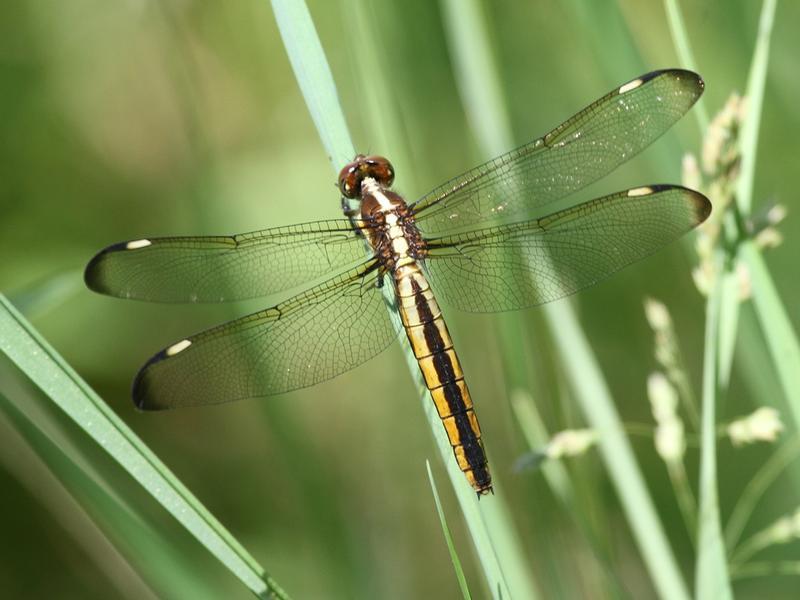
351,176
379,169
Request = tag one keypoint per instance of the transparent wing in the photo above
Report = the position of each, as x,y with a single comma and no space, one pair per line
311,337
223,268
582,150
524,264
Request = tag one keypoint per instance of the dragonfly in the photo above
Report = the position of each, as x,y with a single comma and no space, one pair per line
488,240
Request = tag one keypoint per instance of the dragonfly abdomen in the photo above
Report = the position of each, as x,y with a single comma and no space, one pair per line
441,369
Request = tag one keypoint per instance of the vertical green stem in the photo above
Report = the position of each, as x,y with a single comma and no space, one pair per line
683,492
711,577
756,82
680,37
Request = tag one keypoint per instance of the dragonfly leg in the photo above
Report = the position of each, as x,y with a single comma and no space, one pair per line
348,210
351,214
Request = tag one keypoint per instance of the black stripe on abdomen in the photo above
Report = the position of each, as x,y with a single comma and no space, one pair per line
444,378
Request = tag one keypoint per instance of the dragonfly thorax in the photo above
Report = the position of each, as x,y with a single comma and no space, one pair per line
377,201
391,229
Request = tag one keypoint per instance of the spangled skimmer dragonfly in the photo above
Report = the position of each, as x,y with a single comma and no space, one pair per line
485,241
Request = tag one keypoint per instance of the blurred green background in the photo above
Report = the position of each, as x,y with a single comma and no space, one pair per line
126,119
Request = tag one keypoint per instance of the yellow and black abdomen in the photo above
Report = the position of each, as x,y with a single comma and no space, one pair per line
441,369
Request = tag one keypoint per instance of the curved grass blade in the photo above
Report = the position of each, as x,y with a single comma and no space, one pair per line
315,79
488,522
680,38
47,370
451,548
139,557
755,490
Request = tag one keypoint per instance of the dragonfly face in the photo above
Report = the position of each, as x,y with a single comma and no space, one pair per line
374,167
484,241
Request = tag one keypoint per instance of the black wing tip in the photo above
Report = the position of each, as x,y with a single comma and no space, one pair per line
142,392
676,73
94,273
689,80
700,203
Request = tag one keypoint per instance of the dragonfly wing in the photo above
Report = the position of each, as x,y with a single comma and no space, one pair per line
525,264
583,149
309,338
224,268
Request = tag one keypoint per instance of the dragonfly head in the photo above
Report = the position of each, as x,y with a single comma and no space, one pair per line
353,173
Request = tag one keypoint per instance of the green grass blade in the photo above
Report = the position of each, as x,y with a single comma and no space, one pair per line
680,38
45,296
536,436
28,465
729,303
728,309
379,99
100,516
318,88
592,393
488,521
451,548
711,576
779,332
477,78
712,579
47,370
755,489
558,478
572,347
756,82
314,78
607,34
769,568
